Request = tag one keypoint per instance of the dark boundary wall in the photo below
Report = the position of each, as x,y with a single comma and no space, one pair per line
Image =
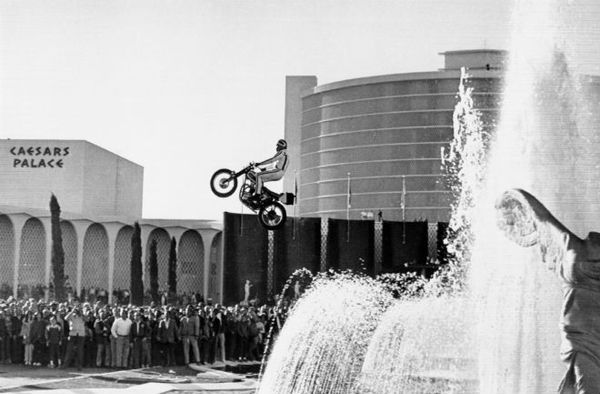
244,257
296,248
396,253
245,250
345,252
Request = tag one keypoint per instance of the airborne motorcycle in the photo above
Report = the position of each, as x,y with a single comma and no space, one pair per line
269,205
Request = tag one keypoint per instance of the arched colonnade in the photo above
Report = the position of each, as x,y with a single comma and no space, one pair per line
98,254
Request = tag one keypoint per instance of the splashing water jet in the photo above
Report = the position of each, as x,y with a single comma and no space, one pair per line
544,143
321,348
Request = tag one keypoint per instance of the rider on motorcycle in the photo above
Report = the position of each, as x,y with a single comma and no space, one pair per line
273,168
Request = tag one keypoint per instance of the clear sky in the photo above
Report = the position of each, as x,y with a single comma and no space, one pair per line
184,87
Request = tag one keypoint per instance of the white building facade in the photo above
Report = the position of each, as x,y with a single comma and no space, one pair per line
100,195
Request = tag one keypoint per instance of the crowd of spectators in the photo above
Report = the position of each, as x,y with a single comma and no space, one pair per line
95,334
91,294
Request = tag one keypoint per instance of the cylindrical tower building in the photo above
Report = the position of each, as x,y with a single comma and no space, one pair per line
376,142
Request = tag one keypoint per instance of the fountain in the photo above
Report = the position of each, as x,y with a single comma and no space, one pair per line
421,352
321,348
501,334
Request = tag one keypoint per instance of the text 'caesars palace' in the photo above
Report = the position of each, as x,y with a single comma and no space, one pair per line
384,134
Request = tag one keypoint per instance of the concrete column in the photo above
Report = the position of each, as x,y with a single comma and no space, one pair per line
18,222
176,232
112,230
295,86
207,238
111,264
17,256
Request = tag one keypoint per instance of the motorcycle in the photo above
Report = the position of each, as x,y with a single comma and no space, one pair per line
269,205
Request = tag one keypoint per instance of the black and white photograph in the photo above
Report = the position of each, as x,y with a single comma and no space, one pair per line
300,196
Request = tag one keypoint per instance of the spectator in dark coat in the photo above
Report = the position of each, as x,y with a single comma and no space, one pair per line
101,335
210,341
109,319
151,324
219,332
167,332
156,344
90,347
242,331
4,339
38,338
203,338
230,335
140,333
54,333
188,332
16,351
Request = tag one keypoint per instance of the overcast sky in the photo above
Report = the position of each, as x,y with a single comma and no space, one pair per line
186,87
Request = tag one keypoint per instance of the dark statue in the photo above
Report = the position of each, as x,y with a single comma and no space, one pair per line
576,262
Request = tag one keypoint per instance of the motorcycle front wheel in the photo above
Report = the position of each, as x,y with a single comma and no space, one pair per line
272,216
223,183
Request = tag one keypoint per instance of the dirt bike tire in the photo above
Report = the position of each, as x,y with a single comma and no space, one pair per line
272,216
218,188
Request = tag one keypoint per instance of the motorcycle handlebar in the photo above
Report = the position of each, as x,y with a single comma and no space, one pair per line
248,168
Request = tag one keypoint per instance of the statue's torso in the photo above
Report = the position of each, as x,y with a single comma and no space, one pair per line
581,301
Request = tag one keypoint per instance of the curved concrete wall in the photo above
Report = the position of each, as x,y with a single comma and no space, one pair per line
379,133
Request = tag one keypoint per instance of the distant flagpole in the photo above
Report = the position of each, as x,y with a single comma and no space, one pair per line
348,205
403,206
295,204
242,220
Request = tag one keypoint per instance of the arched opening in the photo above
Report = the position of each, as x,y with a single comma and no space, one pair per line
7,257
122,272
94,271
69,241
32,264
190,267
163,244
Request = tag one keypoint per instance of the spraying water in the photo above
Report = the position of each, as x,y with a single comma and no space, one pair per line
321,348
301,277
546,145
422,346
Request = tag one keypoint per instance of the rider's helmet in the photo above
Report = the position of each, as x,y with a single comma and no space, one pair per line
281,144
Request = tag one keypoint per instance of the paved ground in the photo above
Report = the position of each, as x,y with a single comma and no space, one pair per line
235,378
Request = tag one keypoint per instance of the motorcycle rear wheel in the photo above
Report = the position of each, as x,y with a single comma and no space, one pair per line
272,215
223,183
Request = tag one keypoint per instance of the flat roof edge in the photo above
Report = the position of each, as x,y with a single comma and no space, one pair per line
448,74
458,51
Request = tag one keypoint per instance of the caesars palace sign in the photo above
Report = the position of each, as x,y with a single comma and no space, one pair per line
38,156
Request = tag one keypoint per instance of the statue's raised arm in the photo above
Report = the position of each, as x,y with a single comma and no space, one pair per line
527,222
524,220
